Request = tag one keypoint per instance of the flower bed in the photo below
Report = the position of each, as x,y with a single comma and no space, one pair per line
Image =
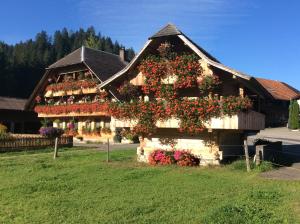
179,157
77,108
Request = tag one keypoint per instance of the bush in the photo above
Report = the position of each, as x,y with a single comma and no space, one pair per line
3,132
51,132
294,115
241,165
3,129
264,166
179,157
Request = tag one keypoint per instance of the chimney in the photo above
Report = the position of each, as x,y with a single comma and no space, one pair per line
122,53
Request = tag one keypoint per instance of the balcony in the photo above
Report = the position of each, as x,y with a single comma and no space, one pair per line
71,88
72,110
250,120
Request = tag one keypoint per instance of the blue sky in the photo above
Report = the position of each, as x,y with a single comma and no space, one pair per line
258,37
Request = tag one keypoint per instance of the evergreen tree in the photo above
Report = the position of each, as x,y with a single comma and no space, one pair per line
23,64
293,115
93,42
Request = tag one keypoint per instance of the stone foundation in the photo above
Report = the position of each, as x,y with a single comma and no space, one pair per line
209,154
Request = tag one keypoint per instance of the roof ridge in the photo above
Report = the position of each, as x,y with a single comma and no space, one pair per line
167,30
101,51
71,53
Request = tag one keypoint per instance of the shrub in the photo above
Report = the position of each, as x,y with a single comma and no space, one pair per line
3,129
179,157
294,115
3,132
185,158
264,166
51,132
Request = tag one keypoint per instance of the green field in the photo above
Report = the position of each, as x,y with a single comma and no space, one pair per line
80,187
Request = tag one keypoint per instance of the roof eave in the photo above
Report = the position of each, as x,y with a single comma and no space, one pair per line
126,68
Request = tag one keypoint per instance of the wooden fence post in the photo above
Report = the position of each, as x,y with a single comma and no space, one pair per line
247,155
107,159
257,155
55,148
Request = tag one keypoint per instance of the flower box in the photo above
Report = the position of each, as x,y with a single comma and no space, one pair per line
69,92
59,93
76,92
89,90
49,93
73,109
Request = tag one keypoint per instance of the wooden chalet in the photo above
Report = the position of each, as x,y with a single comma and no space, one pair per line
15,118
276,103
223,135
67,95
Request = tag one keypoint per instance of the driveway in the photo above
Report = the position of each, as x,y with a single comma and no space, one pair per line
102,146
290,149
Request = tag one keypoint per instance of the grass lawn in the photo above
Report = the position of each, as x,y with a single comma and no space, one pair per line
80,187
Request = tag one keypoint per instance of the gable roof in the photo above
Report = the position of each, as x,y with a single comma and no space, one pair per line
278,90
8,103
103,64
167,30
172,30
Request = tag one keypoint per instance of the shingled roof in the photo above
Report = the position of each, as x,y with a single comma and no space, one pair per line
172,30
167,30
102,63
279,90
7,103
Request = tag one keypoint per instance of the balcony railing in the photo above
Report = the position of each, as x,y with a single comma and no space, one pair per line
71,110
250,120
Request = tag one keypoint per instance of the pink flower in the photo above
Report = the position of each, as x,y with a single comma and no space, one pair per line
159,155
177,155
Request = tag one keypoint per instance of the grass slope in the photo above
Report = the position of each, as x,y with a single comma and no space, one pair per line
80,187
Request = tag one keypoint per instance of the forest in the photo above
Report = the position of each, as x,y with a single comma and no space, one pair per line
23,64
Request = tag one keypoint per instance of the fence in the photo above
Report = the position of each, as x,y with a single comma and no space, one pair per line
21,143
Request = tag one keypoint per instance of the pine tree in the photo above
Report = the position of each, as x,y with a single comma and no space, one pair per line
294,115
93,42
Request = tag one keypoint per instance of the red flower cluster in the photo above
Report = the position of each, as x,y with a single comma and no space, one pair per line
187,69
103,94
179,157
77,108
129,91
154,69
233,104
208,83
71,85
193,114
